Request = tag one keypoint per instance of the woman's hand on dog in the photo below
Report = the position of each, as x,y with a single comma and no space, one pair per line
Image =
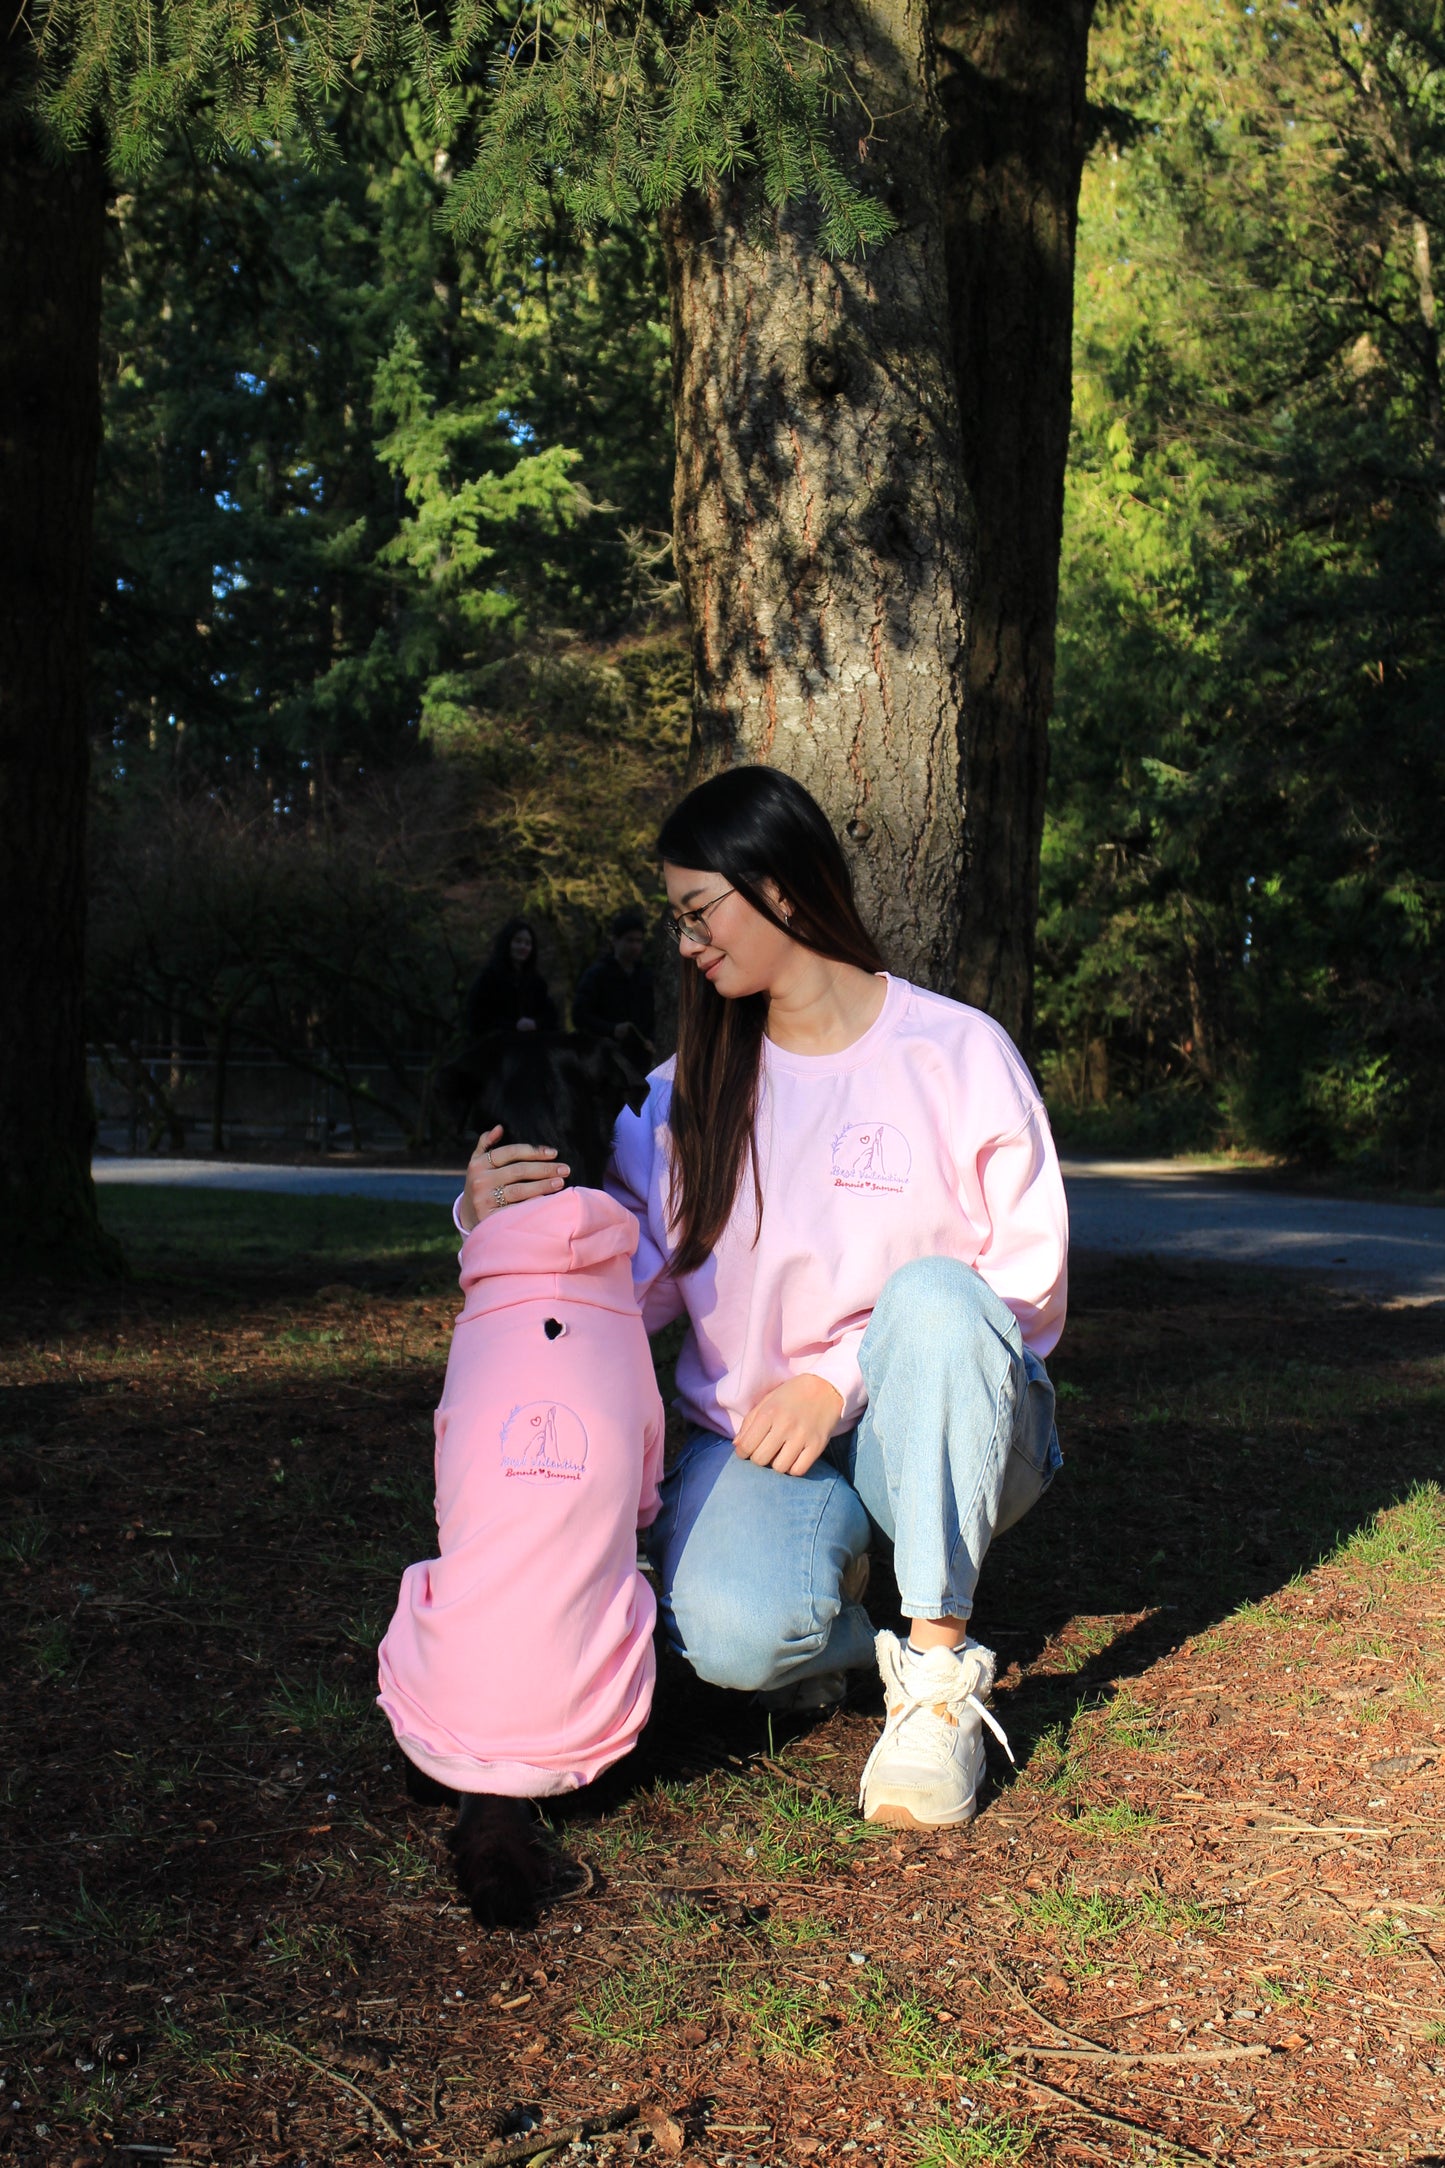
503,1174
791,1425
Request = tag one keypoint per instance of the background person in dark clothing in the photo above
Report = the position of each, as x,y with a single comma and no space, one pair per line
614,998
509,993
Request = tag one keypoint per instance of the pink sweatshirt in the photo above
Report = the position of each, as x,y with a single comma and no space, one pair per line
520,1661
925,1138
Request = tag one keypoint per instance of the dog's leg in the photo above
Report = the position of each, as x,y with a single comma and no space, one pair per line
424,1791
503,1866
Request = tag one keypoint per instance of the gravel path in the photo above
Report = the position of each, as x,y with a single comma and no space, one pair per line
1163,1208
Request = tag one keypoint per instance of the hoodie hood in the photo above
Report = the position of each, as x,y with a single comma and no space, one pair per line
526,1252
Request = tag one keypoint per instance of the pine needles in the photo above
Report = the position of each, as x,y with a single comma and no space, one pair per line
608,113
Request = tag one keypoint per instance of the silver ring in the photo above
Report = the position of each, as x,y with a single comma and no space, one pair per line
490,1161
499,1195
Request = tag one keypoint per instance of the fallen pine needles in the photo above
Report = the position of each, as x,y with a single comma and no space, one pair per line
325,2070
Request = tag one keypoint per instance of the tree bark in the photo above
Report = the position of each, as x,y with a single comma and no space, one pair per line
52,221
819,521
1011,85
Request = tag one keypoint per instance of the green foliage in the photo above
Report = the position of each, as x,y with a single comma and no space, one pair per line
607,111
346,465
459,517
983,2141
1243,875
380,656
616,112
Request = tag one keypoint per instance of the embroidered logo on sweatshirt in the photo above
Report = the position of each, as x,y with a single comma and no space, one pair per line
544,1439
871,1157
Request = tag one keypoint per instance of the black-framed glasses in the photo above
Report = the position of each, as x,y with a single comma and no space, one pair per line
692,925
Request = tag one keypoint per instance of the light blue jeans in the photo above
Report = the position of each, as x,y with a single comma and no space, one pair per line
956,1443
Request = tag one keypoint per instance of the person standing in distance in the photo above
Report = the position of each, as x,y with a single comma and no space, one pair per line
509,993
614,996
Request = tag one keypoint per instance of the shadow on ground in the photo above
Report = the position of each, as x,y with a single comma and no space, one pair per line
1222,1432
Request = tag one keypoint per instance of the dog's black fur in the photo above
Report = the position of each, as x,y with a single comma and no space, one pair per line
546,1087
566,1090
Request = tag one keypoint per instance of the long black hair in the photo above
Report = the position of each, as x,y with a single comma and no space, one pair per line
748,825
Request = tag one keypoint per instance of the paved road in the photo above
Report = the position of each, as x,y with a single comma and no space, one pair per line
1161,1208
397,1185
1164,1209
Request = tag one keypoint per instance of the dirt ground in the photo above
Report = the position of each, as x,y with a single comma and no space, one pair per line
1202,1920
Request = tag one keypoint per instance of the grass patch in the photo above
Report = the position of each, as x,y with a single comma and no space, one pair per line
52,1647
308,1947
799,1934
129,1924
784,2021
636,2007
26,1539
320,1710
1123,1721
907,2036
1080,1918
988,2141
1289,1994
1118,1820
1385,1938
1267,1615
20,2019
1407,1539
1057,1762
404,1862
778,1830
164,1229
1090,1640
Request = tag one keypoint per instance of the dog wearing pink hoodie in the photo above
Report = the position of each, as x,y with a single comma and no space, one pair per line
519,1663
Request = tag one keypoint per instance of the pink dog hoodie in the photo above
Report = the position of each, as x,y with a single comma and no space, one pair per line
520,1661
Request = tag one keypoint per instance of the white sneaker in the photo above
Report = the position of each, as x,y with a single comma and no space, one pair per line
926,1770
822,1689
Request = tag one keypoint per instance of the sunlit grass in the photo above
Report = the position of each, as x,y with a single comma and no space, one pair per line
785,2020
906,2034
1080,1918
987,2141
1385,1938
1407,1539
638,2005
1120,1819
1289,1994
1091,1638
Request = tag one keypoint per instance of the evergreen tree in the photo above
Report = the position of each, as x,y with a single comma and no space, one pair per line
1244,875
616,113
348,465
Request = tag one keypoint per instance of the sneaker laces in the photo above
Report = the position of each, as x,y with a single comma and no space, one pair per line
994,1726
896,1717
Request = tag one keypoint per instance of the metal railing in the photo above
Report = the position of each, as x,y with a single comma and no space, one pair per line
156,1099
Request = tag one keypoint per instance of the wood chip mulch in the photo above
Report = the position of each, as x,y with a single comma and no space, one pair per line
1203,1920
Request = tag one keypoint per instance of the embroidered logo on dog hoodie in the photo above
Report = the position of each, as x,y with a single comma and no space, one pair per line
520,1659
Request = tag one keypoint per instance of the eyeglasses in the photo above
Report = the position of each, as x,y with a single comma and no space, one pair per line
692,925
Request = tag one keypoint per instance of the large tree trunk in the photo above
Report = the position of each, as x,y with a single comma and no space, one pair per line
1011,83
818,514
52,222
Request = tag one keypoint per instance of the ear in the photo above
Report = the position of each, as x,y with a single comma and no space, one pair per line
636,1086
